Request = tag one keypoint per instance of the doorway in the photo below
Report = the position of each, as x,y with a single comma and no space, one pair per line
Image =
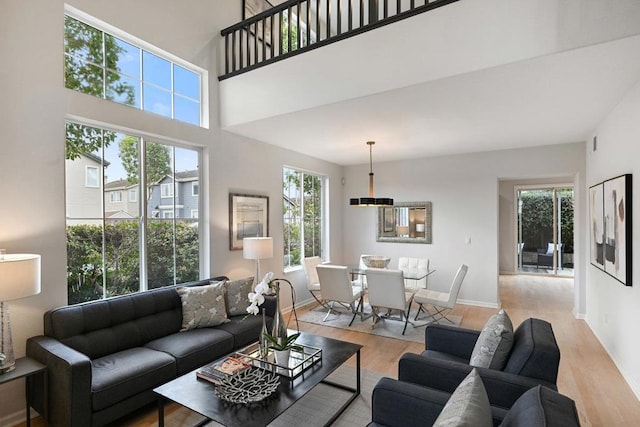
545,230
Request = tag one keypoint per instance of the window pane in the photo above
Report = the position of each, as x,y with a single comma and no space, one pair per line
187,111
122,256
83,77
160,227
187,237
84,261
123,89
156,70
157,101
186,83
83,41
124,58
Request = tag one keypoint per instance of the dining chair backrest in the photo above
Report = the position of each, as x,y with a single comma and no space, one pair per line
455,287
335,284
309,265
386,288
413,266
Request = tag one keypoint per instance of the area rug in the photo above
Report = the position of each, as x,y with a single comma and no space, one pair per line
388,328
315,408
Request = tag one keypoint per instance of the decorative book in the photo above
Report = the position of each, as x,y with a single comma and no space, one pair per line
221,369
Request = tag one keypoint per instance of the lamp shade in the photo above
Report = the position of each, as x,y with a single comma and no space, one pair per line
19,276
257,247
420,228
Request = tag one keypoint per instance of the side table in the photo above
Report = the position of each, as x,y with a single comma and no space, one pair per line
26,368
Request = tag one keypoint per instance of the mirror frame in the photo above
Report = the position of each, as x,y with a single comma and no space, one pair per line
386,213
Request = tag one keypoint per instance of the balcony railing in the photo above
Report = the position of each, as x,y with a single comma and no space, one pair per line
298,26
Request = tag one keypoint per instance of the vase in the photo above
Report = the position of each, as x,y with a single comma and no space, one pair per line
279,330
263,342
282,357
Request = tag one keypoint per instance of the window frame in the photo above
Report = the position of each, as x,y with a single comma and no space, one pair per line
323,197
113,198
86,176
113,31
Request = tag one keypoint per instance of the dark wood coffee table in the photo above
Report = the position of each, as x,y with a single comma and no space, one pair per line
198,395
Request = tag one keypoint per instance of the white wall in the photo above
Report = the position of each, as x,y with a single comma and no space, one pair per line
34,105
612,308
464,193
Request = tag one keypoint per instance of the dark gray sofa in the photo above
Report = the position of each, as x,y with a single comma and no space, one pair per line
105,357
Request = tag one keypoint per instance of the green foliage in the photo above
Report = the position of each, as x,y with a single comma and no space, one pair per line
157,156
285,35
287,344
87,52
537,214
85,265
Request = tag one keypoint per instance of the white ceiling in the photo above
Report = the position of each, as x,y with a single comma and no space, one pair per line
552,99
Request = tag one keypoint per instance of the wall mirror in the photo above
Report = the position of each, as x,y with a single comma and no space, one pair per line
405,222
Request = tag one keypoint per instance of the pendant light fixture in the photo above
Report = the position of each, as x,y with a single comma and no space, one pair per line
371,201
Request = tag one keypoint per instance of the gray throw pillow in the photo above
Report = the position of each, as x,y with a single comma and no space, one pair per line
494,343
467,406
237,296
202,306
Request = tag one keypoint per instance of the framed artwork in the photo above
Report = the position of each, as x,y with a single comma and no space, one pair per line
248,217
610,227
596,224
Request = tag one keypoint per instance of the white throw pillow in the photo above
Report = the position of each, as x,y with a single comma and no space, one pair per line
494,343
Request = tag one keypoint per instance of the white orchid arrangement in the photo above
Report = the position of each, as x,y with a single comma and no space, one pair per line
256,298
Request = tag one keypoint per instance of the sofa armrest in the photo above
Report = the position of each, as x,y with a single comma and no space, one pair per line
69,382
450,339
395,403
502,388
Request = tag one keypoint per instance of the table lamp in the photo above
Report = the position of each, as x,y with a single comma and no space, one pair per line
19,278
257,248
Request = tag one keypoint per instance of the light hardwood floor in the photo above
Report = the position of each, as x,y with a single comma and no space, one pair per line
586,374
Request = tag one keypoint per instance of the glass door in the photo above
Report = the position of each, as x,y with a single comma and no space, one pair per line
545,230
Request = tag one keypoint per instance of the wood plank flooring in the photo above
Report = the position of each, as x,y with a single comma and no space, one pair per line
586,374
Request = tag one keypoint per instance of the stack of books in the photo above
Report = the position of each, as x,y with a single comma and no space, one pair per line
221,369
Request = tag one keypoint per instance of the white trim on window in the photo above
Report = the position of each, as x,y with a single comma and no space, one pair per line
194,213
195,188
166,190
115,196
133,195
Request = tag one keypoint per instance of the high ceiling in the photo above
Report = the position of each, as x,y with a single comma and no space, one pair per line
552,99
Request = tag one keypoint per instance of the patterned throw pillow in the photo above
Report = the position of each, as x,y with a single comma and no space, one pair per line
467,406
494,343
202,306
237,296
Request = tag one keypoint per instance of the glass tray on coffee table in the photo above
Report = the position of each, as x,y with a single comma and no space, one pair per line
299,360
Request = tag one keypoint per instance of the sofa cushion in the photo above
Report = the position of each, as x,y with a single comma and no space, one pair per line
120,375
494,343
541,406
192,349
245,329
237,296
202,306
467,406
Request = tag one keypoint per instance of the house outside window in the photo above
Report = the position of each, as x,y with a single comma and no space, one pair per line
104,253
302,196
115,67
195,189
92,177
194,213
133,195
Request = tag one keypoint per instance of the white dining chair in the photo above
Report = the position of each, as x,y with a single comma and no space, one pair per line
442,302
414,267
337,287
385,289
313,283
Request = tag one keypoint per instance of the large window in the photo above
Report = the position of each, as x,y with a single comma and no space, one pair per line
118,69
302,195
143,242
